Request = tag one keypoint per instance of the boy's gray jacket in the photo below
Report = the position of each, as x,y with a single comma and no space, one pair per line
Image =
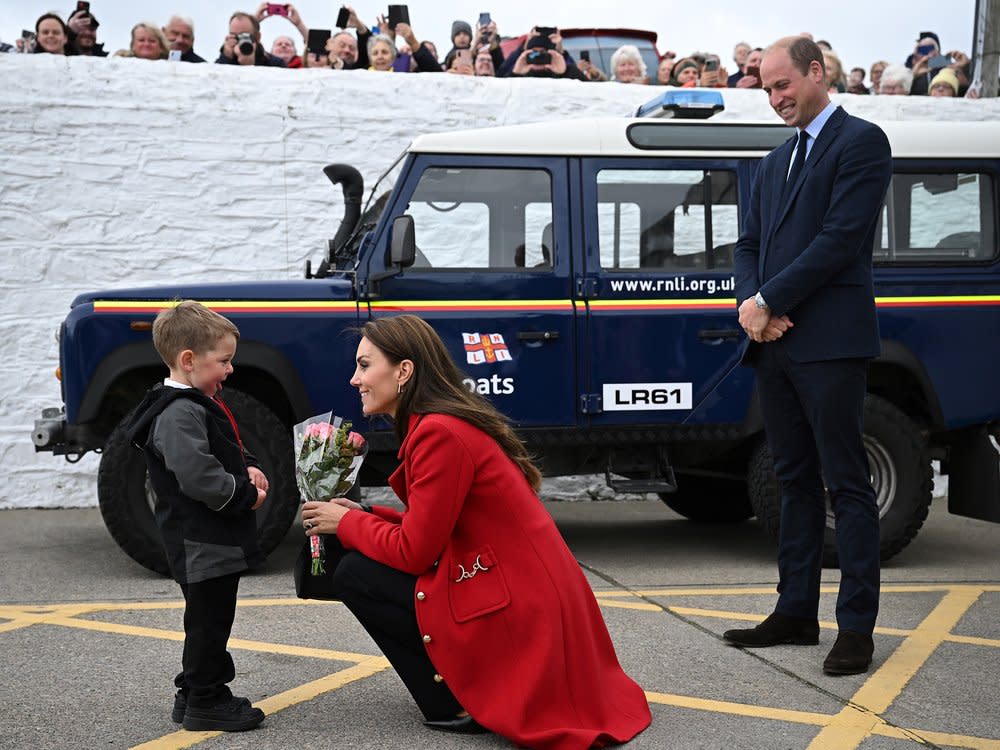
198,470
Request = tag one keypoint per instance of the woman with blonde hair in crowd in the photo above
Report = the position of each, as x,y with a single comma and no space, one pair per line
627,65
875,74
148,43
836,81
470,591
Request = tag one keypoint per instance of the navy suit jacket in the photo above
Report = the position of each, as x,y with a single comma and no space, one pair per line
811,258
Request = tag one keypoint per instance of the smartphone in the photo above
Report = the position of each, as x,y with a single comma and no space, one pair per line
174,55
277,9
83,5
398,14
711,64
464,56
753,71
925,49
545,30
317,41
939,61
484,20
585,54
343,17
538,57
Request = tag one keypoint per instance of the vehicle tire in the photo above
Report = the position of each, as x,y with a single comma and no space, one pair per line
126,497
709,499
900,464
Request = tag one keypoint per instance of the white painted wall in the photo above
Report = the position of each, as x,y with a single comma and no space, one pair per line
123,172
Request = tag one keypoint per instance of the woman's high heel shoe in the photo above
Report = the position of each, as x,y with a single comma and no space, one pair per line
459,725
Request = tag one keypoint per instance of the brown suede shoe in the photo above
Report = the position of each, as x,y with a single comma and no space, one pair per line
851,654
775,630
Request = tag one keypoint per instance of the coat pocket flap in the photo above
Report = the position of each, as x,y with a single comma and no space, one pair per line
476,586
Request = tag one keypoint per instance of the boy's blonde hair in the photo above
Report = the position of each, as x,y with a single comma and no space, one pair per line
189,325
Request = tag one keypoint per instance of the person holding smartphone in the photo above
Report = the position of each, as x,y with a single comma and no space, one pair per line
712,74
83,32
928,46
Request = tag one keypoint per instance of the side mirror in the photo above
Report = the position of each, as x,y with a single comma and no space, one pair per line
403,250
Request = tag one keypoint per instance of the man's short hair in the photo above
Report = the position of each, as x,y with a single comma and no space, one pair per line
252,19
189,325
802,50
184,20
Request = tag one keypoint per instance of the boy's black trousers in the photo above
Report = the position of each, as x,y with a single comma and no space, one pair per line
210,608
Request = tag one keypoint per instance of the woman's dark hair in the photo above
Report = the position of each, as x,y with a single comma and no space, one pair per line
68,48
436,386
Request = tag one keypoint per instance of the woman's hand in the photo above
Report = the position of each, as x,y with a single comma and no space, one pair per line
324,518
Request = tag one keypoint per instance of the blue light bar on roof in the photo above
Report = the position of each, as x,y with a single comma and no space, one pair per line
689,103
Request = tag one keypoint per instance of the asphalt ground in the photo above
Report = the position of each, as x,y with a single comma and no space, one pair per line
90,641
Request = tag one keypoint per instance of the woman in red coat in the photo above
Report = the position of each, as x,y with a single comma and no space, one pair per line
471,592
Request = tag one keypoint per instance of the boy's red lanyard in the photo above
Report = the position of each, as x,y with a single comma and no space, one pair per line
232,420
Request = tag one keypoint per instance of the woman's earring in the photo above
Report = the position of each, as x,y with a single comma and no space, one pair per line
399,388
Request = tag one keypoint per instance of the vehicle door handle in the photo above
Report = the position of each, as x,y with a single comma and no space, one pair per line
728,334
537,335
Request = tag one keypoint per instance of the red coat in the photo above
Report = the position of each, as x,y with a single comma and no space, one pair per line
513,625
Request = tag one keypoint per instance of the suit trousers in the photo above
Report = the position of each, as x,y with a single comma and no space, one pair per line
209,611
813,416
382,599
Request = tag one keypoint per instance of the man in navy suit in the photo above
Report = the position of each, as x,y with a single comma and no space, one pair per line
806,301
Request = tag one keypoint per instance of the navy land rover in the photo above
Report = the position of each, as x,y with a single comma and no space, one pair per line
582,276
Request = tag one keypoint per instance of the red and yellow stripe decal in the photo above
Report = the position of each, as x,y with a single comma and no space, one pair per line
957,300
285,307
473,305
625,305
230,306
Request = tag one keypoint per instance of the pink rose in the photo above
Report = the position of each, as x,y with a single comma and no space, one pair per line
355,441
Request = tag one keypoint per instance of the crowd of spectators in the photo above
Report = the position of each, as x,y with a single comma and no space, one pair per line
391,45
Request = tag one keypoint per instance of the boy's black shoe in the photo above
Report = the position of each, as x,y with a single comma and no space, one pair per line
180,706
234,715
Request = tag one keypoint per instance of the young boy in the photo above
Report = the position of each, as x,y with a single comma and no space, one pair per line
207,488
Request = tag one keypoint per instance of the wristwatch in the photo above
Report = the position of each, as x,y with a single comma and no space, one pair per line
759,301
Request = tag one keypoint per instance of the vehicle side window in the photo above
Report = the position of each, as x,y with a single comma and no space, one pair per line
666,220
939,217
482,218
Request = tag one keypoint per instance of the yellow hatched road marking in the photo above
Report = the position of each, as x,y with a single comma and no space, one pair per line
858,720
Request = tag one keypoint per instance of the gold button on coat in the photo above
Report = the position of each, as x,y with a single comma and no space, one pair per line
438,678
427,639
421,595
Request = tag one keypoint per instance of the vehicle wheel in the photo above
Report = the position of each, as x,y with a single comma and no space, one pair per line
126,498
709,499
901,475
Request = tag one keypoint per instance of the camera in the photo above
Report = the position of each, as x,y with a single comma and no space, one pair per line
245,43
539,57
712,64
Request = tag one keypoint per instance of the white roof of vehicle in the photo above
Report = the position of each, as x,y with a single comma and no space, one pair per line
607,137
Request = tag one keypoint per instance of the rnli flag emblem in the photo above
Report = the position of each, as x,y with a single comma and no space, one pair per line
483,348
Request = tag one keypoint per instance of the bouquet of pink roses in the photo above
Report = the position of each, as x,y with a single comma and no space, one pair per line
328,457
